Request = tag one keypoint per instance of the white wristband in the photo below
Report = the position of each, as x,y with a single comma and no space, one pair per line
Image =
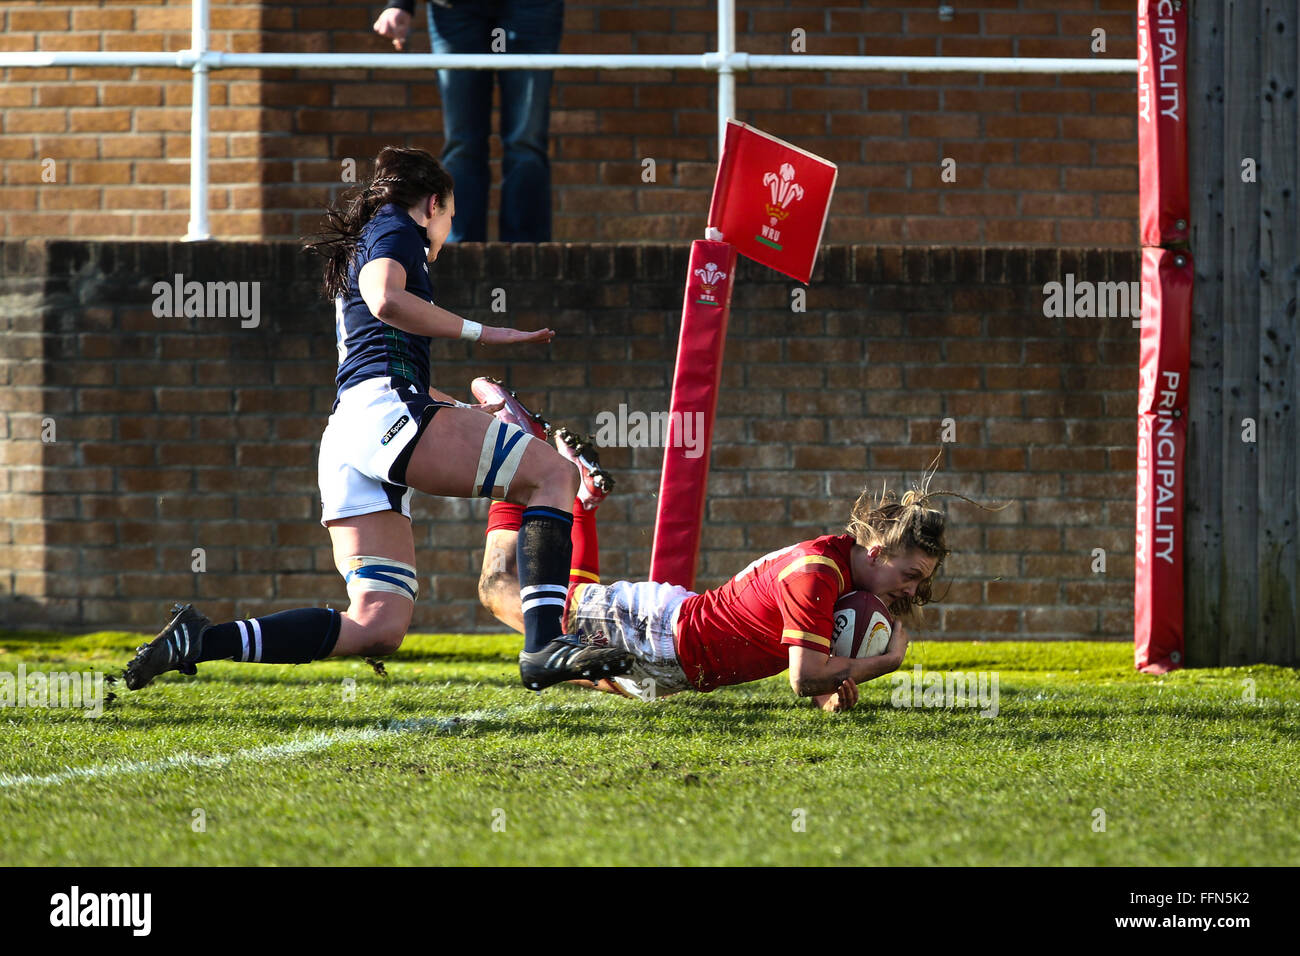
470,330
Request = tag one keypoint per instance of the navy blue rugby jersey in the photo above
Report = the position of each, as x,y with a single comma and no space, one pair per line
369,348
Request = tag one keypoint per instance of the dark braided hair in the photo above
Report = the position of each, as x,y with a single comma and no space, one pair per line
403,176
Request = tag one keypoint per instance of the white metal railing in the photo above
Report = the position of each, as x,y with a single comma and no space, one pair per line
726,61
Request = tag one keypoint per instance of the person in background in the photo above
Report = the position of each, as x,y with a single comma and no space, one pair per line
492,26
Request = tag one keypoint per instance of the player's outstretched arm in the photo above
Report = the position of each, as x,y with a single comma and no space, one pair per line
382,283
845,696
815,674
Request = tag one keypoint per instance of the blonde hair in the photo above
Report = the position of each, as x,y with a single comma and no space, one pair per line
899,525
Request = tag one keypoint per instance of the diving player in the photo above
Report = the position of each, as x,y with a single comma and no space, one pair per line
776,614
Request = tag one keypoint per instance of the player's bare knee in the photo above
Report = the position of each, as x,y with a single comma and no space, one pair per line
562,477
549,478
383,631
383,592
383,618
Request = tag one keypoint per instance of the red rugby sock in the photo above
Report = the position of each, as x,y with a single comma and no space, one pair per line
585,565
503,516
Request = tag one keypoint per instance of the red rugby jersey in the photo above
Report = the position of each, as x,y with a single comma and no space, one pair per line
742,630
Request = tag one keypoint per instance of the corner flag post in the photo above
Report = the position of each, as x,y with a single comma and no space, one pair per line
770,203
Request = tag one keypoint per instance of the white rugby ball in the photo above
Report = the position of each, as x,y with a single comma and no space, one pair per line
863,626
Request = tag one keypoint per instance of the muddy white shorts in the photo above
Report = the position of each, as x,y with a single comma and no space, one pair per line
639,617
366,447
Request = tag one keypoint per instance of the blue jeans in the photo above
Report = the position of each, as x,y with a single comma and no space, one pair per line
531,26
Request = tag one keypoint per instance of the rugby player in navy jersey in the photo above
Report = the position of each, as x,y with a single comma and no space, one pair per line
391,433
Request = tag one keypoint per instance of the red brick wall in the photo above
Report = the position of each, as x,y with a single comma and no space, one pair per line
173,434
119,137
1040,159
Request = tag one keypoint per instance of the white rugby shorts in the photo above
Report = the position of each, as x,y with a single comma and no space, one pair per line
373,423
641,618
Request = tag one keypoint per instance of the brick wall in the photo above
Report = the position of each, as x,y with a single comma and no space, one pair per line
1040,159
172,434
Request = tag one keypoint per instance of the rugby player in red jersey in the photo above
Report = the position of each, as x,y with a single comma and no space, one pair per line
776,614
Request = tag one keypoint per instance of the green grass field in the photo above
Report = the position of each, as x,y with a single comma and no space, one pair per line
450,761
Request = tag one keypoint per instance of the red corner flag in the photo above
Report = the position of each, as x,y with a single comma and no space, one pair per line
770,200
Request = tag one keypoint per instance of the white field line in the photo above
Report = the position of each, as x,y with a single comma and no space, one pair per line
292,748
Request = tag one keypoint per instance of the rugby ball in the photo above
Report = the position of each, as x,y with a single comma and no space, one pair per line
862,625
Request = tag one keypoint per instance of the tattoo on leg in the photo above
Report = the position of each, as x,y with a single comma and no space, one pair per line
499,578
497,561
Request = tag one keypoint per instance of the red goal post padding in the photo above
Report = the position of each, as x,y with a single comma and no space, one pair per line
1165,199
685,478
1164,205
770,203
1161,459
